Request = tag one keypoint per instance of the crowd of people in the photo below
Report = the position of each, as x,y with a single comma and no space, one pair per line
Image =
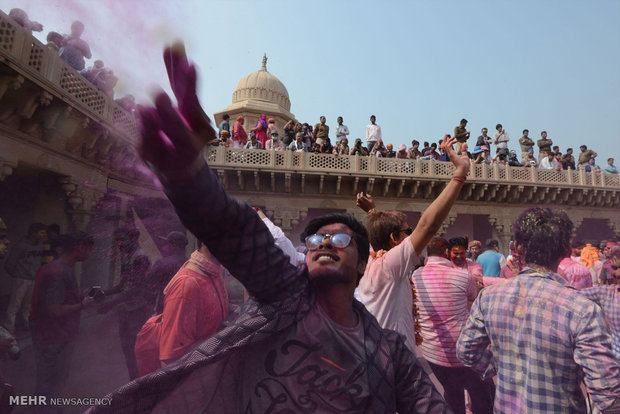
301,137
356,320
73,50
514,332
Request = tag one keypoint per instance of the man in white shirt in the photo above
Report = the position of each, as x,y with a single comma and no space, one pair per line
373,133
385,288
298,145
341,131
501,138
550,163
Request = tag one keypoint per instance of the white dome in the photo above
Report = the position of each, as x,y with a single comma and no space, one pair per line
262,86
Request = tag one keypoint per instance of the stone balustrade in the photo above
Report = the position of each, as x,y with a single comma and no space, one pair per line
404,168
41,64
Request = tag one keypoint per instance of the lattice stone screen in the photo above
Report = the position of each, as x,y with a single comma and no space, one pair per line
297,159
7,34
35,60
248,157
443,169
279,158
521,174
363,163
81,89
612,180
552,176
125,122
501,171
211,154
328,162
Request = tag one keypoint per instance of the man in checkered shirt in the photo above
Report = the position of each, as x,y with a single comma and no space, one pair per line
542,336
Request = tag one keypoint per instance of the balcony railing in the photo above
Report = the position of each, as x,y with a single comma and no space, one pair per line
42,65
401,168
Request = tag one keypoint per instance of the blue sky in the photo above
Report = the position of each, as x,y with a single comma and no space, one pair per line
419,66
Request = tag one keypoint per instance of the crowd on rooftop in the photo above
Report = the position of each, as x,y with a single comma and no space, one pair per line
301,137
74,50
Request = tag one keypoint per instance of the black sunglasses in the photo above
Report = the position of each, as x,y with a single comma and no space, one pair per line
407,231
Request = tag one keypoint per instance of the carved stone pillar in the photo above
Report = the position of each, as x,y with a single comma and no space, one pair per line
6,168
502,225
82,201
286,218
447,223
10,83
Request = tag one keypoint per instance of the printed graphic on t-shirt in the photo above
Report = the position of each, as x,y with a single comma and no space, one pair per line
314,367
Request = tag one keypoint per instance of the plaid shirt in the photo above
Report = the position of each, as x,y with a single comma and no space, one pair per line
543,337
608,299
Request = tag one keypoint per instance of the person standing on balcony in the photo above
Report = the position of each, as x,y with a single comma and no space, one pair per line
341,131
253,143
224,125
373,133
526,143
260,130
544,146
321,131
75,49
274,143
586,154
414,152
500,139
568,161
550,163
610,168
298,145
239,136
461,134
591,165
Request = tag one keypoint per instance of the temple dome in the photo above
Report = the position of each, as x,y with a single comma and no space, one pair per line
263,86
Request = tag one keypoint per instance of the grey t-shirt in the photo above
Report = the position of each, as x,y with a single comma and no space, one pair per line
315,366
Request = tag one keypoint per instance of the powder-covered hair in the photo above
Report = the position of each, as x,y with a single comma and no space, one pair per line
544,235
381,225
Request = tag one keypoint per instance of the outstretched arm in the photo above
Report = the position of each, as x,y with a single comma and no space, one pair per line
172,143
436,213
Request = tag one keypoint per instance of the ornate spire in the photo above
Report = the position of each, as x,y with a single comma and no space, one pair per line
264,62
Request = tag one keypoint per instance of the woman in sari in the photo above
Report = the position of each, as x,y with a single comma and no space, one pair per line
261,130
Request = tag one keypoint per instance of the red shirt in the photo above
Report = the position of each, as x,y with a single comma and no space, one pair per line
194,307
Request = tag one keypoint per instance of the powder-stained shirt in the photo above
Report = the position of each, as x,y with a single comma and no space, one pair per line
576,274
194,308
543,336
316,366
443,292
386,292
608,299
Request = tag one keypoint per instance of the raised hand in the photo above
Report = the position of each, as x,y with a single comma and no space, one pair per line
461,162
365,202
172,140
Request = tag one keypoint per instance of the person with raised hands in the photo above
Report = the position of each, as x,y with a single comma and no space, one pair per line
384,289
298,320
